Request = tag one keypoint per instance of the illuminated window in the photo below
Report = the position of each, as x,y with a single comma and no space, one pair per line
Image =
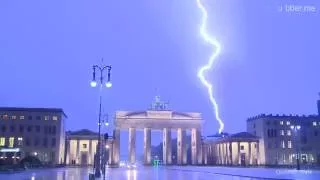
314,123
20,140
46,118
5,116
282,132
2,141
55,118
13,117
281,122
288,132
21,117
288,123
11,142
289,144
283,145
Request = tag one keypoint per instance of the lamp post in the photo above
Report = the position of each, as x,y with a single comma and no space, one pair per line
108,84
296,129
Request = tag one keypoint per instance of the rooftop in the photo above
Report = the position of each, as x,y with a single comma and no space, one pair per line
82,132
241,136
283,116
23,109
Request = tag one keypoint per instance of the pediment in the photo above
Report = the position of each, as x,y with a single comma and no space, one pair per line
181,115
136,114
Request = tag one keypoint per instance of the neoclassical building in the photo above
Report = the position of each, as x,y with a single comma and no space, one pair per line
158,117
81,147
236,149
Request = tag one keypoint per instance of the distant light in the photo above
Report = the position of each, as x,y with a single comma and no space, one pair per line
35,153
292,127
298,127
93,83
108,84
10,150
107,124
107,146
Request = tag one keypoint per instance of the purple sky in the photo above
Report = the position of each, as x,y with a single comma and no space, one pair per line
270,61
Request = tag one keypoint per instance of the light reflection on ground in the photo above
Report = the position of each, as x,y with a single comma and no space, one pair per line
157,173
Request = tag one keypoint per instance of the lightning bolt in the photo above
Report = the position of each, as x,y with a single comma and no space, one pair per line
208,66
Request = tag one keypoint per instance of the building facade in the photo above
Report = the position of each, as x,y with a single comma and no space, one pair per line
236,149
38,132
81,148
284,138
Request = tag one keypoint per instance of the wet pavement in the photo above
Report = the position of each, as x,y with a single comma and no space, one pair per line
164,173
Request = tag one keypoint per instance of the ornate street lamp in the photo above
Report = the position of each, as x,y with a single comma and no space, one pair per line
108,84
296,129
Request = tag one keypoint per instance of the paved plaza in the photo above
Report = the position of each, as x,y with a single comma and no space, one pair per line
166,173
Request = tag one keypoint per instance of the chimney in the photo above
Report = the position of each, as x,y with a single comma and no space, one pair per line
318,104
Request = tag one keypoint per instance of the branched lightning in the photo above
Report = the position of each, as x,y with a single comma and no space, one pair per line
208,66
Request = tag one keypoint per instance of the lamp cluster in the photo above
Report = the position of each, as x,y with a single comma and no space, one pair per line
94,83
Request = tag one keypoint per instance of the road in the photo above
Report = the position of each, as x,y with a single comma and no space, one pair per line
166,173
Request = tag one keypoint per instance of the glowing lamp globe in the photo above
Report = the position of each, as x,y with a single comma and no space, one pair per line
93,83
108,84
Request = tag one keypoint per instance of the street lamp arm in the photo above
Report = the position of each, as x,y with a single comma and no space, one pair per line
101,69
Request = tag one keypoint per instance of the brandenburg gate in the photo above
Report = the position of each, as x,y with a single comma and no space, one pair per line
159,118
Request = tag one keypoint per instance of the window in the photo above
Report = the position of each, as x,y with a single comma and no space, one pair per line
45,142
20,139
36,142
21,128
288,132
5,117
268,122
54,130
242,147
2,141
28,142
289,144
3,128
315,133
254,125
314,123
11,142
29,129
46,118
282,132
53,142
283,145
14,117
12,128
38,128
55,118
281,122
30,117
45,130
84,146
21,117
38,118
288,123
